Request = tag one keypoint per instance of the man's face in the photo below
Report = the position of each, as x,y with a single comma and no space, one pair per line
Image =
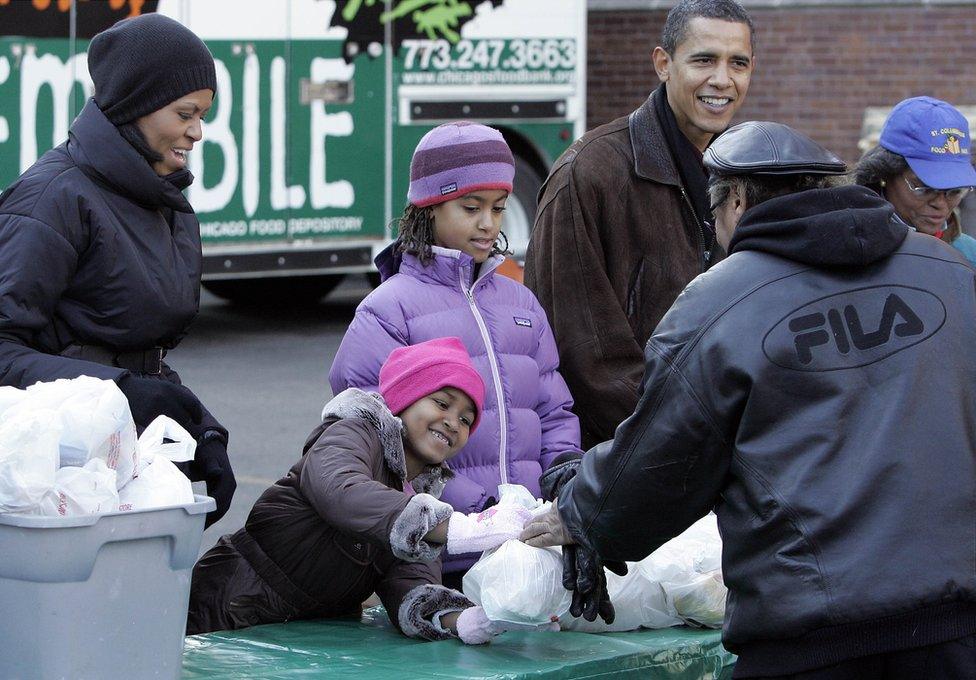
707,76
726,216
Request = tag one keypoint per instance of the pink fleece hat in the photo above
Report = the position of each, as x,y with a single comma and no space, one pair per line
412,372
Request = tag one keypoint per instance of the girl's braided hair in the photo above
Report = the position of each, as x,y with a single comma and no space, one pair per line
416,234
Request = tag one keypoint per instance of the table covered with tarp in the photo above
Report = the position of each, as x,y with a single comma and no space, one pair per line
372,648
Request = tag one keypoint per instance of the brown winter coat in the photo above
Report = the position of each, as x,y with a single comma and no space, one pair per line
335,529
615,240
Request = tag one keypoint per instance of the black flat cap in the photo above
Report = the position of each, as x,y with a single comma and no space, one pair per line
765,148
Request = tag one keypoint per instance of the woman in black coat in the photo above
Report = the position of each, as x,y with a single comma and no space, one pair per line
99,249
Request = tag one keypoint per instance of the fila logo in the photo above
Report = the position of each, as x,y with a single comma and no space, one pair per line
519,321
854,328
850,330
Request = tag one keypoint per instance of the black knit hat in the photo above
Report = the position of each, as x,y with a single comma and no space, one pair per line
141,64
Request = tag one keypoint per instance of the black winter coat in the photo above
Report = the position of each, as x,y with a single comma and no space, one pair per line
95,249
816,389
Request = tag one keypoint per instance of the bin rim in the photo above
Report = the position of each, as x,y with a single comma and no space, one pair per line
201,504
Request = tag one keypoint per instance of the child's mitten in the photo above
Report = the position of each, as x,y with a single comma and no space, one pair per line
475,628
486,529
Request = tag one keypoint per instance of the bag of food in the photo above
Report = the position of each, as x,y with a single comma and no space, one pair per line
638,600
158,482
29,455
517,583
94,417
86,490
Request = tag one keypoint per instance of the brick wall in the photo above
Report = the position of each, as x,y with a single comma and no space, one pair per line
817,68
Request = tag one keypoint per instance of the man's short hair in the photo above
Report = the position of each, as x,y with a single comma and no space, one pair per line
676,25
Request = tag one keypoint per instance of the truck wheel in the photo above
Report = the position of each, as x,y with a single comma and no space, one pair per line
278,291
520,209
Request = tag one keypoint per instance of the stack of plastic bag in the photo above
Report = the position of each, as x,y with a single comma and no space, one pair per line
679,583
69,447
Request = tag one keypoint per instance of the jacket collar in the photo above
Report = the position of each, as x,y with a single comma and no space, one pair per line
100,151
355,403
449,267
652,158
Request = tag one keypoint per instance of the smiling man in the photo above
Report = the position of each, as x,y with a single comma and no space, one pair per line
621,226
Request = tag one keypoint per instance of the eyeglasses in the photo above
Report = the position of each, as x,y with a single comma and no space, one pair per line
928,193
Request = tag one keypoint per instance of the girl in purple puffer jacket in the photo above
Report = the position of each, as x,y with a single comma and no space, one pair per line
439,280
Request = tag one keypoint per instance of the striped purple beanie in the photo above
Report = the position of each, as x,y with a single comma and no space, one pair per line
457,158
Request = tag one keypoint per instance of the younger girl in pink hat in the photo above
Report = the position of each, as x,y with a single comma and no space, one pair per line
359,512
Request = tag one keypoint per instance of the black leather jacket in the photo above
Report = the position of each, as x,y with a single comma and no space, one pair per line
97,250
816,390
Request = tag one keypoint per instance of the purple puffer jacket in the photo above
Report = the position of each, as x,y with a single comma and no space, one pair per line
508,336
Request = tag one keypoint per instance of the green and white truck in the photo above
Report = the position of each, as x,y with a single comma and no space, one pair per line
305,160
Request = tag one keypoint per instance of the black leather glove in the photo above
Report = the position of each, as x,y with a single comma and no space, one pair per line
582,568
212,466
583,575
151,397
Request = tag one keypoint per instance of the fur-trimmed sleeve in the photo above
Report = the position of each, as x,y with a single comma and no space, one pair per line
422,513
420,612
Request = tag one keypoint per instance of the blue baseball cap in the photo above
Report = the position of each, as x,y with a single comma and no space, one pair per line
934,139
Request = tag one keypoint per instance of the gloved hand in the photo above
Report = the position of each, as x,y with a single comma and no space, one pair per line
485,530
475,628
582,568
583,574
151,397
212,466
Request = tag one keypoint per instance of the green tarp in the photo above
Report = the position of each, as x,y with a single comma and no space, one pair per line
372,648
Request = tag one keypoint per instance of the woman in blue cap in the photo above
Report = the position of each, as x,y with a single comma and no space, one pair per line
923,167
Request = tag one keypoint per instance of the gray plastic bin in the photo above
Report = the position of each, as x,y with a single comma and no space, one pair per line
99,596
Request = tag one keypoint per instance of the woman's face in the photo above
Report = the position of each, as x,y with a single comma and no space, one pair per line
174,129
926,213
470,223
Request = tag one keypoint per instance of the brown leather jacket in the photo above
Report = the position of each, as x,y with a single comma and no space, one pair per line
614,242
336,528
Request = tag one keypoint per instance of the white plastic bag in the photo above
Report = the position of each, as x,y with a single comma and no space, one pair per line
10,396
694,584
86,490
159,483
29,455
680,582
517,583
180,448
95,418
638,599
